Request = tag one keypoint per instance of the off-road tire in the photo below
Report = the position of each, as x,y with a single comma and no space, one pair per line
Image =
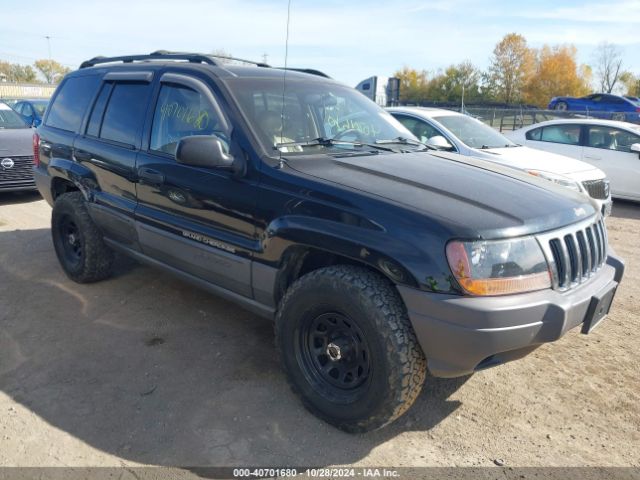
397,364
93,260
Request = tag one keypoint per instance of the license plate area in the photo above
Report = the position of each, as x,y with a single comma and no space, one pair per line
598,309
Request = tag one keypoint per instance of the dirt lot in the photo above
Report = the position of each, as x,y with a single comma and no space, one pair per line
145,369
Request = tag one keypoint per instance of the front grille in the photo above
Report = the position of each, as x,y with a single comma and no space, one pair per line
575,253
20,174
598,189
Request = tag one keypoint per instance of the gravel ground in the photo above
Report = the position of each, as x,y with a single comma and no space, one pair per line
144,369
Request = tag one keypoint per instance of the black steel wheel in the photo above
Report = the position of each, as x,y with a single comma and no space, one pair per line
335,351
71,240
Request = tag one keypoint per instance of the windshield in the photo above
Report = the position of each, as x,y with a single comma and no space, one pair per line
40,106
313,110
10,119
473,133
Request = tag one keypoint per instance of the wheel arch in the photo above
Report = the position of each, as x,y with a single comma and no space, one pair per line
70,176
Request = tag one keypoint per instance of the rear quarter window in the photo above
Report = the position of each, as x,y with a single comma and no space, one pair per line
71,102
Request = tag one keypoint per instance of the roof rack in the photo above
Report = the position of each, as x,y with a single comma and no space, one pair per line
310,71
167,55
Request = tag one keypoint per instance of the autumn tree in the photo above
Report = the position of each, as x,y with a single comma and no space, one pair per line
556,73
51,70
14,72
607,59
413,85
511,65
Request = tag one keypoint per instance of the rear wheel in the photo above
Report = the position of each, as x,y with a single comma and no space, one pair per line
82,253
348,348
561,106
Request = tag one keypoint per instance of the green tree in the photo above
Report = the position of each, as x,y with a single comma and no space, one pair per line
511,66
51,70
449,85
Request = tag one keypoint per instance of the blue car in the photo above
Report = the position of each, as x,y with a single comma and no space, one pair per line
31,110
600,105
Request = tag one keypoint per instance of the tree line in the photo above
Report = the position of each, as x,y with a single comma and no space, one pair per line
42,71
519,74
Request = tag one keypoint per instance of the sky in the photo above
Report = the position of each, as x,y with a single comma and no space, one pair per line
349,40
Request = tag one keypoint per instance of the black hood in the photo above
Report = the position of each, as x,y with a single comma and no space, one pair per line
471,197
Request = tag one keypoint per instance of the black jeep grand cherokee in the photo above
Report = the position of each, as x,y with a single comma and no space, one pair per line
303,201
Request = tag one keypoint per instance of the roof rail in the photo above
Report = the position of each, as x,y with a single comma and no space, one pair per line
310,71
167,55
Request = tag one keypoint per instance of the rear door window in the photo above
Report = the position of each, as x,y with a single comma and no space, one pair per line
71,102
125,112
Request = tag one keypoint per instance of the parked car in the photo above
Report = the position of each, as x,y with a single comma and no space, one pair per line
614,147
374,259
31,110
601,105
16,151
462,134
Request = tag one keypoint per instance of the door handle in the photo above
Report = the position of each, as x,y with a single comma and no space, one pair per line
150,175
592,157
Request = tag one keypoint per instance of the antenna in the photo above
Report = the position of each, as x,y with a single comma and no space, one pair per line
284,79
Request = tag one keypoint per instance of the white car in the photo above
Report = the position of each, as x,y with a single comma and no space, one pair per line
463,134
609,145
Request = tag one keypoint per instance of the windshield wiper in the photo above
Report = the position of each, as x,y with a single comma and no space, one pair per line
330,142
405,141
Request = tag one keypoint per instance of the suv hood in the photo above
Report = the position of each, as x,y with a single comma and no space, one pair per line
527,158
470,197
16,142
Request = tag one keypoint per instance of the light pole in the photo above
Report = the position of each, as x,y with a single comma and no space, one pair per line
48,45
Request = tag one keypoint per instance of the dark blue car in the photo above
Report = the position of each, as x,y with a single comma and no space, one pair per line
31,110
601,105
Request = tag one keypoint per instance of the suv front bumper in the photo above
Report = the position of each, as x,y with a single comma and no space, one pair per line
462,334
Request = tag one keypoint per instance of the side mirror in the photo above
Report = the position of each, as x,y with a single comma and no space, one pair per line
635,147
440,143
203,151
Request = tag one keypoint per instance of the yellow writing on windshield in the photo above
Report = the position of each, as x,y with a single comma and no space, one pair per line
199,119
341,125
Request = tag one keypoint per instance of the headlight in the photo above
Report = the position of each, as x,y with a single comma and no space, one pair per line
499,267
556,178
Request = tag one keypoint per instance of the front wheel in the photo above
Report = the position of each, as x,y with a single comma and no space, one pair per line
348,348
